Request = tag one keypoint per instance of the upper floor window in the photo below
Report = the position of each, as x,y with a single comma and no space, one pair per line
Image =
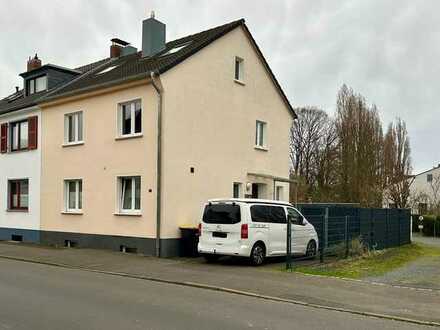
260,134
239,69
429,177
18,191
130,118
19,135
36,85
73,128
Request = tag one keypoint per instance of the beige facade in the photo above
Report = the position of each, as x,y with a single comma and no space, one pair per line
209,124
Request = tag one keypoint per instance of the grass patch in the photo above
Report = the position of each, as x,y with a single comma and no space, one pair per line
372,263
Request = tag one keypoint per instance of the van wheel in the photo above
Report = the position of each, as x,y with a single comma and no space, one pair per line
258,254
210,258
311,249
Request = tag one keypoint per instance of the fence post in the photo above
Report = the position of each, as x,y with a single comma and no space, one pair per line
321,244
326,228
289,244
346,236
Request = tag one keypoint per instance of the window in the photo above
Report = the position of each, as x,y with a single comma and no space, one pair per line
18,194
236,190
129,194
73,128
36,85
19,135
222,213
279,193
260,134
429,177
73,195
295,217
130,118
239,74
264,213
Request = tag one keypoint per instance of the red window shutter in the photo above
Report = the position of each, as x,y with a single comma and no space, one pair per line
33,133
4,138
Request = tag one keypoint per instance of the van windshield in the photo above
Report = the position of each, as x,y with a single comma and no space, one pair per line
222,214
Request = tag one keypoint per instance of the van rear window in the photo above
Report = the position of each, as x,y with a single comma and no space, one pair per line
222,214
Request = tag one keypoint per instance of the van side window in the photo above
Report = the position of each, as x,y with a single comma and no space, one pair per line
295,217
264,213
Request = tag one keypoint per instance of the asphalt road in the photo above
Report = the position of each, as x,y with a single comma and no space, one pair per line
37,297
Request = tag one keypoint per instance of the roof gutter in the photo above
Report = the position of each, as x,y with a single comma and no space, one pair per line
157,83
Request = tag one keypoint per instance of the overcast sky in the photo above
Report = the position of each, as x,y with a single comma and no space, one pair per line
389,51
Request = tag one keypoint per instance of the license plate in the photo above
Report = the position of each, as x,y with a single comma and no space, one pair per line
219,234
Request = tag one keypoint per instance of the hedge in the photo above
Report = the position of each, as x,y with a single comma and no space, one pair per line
431,222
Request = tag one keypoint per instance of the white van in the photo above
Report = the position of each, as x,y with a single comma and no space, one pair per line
253,228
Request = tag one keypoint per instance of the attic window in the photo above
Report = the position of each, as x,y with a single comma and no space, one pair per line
239,70
36,85
176,49
110,68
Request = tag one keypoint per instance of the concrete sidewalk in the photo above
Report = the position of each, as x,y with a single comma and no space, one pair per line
415,304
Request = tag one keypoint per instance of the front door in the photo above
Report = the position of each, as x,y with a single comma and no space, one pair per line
255,190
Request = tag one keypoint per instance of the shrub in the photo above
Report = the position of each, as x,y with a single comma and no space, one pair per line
431,225
356,248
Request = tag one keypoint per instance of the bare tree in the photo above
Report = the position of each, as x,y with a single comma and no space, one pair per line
397,164
311,138
360,137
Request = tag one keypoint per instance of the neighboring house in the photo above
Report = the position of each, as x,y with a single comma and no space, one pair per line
20,150
425,191
134,146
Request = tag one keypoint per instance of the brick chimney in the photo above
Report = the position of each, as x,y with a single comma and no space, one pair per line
33,63
117,46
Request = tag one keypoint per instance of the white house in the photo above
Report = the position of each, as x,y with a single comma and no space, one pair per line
20,168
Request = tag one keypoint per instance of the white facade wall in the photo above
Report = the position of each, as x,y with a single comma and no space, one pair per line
424,191
21,165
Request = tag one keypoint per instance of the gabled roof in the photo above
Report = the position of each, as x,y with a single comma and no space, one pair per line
134,66
113,71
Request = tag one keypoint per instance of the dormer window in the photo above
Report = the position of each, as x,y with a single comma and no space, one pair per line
36,85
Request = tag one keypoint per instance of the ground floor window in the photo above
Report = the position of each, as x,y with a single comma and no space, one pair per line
279,193
129,188
73,195
236,190
18,194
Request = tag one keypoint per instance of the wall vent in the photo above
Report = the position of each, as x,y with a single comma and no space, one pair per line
16,238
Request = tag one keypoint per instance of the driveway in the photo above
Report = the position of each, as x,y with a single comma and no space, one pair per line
421,273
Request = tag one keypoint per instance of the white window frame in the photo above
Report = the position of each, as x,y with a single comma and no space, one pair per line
120,195
279,193
75,209
33,84
240,61
132,104
260,128
239,185
76,139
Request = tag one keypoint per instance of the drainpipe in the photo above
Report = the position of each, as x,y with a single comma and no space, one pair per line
157,83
